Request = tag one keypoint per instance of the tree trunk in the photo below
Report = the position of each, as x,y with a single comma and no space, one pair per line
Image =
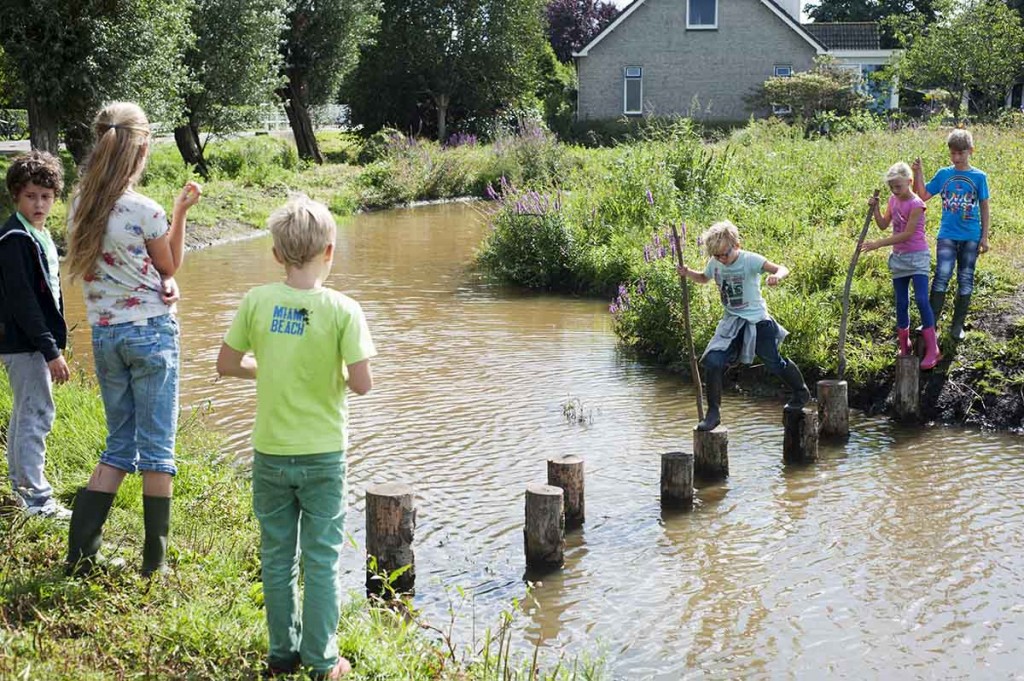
78,139
187,138
42,125
442,101
302,125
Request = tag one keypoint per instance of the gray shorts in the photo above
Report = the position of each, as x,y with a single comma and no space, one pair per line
908,264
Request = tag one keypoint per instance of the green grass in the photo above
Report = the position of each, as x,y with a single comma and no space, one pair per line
205,619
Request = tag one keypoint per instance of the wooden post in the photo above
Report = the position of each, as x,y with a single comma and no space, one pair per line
677,480
567,472
711,453
390,527
906,401
544,533
833,408
685,284
800,441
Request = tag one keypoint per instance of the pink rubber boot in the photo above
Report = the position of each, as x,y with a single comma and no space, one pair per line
932,356
903,338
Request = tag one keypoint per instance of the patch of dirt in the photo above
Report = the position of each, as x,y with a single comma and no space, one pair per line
221,232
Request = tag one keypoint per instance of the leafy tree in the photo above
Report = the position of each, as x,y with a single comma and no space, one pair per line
234,66
574,23
10,88
319,47
72,55
876,10
824,88
471,57
974,53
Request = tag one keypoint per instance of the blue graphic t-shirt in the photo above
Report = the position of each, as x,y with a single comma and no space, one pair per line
740,285
961,192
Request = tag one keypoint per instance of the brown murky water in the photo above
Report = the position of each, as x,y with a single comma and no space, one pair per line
899,555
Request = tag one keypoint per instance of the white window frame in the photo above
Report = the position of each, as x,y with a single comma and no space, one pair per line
782,71
701,27
625,92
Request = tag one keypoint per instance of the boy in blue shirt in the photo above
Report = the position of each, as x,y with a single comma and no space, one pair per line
963,232
32,328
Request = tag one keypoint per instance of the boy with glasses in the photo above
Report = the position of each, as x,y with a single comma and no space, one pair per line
746,328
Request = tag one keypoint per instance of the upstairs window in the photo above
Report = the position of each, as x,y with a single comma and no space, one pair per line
701,13
633,90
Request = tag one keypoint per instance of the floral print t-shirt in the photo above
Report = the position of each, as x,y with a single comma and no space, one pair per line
126,287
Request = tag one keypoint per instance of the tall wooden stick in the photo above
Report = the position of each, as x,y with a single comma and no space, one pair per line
846,290
685,283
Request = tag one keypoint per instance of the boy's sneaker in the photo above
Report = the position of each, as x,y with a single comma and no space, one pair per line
52,509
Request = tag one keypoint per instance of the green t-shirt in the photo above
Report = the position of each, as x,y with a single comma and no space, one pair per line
302,339
52,259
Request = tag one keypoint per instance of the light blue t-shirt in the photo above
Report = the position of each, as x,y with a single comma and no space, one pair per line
961,192
740,285
52,258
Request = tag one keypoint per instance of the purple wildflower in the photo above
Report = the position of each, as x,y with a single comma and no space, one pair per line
650,197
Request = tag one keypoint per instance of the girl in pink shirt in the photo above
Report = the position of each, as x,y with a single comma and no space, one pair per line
910,259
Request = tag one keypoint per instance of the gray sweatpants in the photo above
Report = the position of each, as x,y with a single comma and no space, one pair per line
31,420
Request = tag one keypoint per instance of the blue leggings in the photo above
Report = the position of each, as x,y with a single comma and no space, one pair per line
902,286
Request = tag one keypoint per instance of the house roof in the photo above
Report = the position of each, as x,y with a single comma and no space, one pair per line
854,35
817,44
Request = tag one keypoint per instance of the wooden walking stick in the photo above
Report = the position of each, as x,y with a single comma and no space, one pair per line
685,283
846,290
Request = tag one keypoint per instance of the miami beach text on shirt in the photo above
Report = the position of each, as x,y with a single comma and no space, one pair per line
289,320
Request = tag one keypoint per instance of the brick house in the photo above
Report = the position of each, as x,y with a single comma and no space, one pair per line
703,57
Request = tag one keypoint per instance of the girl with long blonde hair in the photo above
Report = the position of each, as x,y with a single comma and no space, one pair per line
126,254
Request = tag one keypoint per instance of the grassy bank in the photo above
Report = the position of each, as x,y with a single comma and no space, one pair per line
798,201
204,620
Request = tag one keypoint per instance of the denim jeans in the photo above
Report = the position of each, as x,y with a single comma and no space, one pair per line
300,504
963,254
31,420
766,346
137,369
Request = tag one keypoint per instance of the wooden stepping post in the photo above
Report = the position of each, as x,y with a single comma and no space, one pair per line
711,453
833,408
800,441
567,472
907,397
544,532
677,480
390,527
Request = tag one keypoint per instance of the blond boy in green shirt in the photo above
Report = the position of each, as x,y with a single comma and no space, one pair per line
307,344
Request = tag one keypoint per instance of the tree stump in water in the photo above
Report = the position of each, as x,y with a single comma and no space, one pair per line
544,532
711,453
833,408
907,394
800,441
677,480
390,527
566,472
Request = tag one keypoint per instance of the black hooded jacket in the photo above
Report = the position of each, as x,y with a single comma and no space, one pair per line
30,319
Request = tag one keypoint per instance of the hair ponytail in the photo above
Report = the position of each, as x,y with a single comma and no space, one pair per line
115,162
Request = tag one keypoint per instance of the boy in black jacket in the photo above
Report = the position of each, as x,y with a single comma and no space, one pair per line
32,328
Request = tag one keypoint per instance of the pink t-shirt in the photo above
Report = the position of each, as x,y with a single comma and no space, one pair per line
900,212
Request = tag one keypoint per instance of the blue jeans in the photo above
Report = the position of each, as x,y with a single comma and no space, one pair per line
963,254
766,346
137,369
902,287
300,503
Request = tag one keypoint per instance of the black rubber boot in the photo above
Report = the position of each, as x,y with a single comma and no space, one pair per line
937,299
714,388
157,520
795,380
956,328
86,532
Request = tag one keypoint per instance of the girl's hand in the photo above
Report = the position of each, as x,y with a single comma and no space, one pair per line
873,202
189,195
983,246
171,293
916,165
868,246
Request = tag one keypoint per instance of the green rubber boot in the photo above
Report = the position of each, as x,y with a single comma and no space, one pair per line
157,520
85,534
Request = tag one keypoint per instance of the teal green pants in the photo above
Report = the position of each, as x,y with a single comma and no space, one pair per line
300,504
